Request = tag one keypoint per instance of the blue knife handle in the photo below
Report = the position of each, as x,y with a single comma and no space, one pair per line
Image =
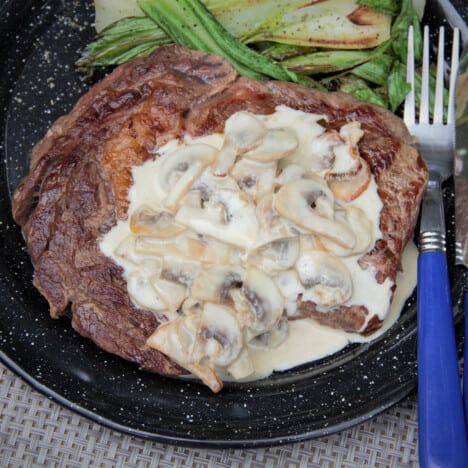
465,360
442,432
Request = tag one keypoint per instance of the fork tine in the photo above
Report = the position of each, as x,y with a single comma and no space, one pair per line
409,113
453,75
424,105
439,91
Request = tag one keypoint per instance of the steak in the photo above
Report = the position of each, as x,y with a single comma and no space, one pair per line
81,171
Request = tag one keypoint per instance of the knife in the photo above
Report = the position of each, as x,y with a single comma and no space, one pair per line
461,195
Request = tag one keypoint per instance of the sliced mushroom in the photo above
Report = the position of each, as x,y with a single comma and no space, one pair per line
173,294
192,198
214,284
140,289
179,340
243,131
276,256
208,250
225,161
180,270
242,367
148,222
228,216
258,303
327,281
278,143
272,227
316,152
321,154
309,203
175,246
222,334
209,183
350,174
290,173
196,248
272,338
207,189
126,250
181,168
191,306
149,291
362,227
352,133
346,161
349,185
290,285
188,247
200,341
309,242
253,177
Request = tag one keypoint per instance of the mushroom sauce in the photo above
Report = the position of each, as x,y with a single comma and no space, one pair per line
226,231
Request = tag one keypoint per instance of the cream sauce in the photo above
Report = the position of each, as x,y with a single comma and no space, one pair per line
308,341
241,235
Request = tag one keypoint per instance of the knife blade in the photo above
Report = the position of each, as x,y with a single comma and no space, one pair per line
461,194
461,162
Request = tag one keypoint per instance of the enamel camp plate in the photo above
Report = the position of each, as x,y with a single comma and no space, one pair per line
40,41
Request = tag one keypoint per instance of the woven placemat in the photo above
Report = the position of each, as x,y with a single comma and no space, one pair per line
35,431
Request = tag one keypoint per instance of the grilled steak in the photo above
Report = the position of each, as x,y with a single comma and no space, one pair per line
80,174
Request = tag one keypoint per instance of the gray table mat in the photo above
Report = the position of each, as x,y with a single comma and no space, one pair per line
35,431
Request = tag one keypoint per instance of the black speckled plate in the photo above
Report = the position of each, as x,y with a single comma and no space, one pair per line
39,44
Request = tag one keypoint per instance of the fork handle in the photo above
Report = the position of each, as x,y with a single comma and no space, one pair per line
465,361
442,432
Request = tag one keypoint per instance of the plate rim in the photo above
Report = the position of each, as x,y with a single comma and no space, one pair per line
194,442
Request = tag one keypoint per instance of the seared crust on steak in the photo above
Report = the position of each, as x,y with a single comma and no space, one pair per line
80,174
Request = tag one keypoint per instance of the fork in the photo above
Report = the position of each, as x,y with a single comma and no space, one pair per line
442,431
